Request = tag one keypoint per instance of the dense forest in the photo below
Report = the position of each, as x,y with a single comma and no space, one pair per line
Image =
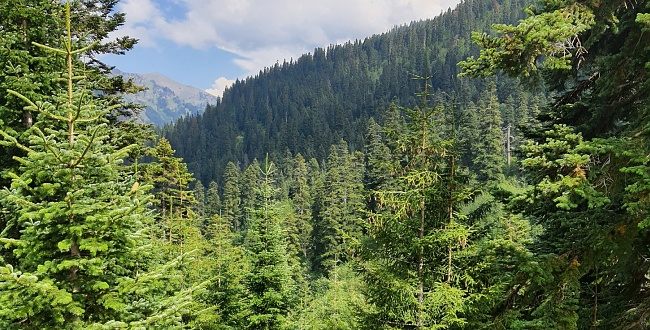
426,178
305,105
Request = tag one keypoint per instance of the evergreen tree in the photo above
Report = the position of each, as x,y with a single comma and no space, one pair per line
340,224
199,195
225,296
489,147
231,196
300,194
174,199
412,258
379,163
212,200
587,164
270,284
79,258
251,199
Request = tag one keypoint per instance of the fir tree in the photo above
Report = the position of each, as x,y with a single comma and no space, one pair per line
212,200
412,257
79,254
231,196
270,284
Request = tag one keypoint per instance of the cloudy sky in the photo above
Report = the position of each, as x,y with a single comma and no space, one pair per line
209,43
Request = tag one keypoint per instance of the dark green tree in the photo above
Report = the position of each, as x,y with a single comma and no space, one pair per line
251,199
174,200
212,200
232,196
225,296
300,194
488,149
341,222
413,259
588,164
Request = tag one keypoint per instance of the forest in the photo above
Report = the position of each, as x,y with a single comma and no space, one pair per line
485,169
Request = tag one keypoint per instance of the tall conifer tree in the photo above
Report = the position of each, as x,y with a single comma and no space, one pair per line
79,263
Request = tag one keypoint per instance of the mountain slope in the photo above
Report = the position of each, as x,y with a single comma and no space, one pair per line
165,99
311,103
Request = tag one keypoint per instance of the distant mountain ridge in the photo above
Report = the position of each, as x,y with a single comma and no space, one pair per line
166,100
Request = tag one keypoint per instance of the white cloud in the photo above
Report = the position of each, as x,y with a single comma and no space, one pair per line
219,86
263,32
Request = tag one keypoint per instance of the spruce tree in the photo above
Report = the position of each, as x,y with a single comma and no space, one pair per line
231,196
412,259
271,287
227,265
587,162
212,200
79,257
341,224
300,194
489,147
174,200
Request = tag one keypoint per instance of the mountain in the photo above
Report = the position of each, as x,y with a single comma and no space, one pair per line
165,99
306,105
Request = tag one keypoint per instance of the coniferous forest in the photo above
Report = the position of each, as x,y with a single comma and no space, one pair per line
485,169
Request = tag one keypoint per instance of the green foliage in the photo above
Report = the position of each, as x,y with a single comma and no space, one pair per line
307,104
550,39
81,215
270,284
588,171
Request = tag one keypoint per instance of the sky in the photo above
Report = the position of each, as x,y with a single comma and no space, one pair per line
210,43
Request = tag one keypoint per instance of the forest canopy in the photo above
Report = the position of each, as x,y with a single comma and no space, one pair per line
365,186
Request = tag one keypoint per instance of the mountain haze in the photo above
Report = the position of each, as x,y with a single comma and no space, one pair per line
166,100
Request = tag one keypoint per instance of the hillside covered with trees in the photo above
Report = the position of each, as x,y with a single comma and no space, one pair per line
306,105
364,186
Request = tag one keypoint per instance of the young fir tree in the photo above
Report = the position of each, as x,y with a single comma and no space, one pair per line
199,195
300,194
30,69
270,285
173,198
412,259
212,200
488,149
79,257
250,198
224,299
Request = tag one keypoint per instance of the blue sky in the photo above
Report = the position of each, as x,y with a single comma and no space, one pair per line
210,43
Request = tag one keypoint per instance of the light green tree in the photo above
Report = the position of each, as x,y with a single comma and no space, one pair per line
80,259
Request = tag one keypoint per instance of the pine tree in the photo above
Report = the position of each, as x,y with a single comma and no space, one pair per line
379,163
79,258
489,148
29,68
342,204
199,195
300,194
250,198
174,199
587,162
